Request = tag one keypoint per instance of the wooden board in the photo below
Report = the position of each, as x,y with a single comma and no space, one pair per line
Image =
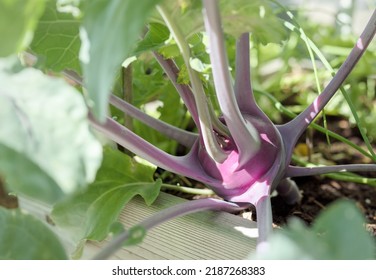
199,236
204,235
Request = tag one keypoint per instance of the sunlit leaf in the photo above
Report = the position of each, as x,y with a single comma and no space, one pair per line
56,39
24,237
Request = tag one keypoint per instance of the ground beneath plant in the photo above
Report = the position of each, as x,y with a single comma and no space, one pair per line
319,193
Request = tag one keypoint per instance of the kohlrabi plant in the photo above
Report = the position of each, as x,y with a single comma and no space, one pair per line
241,154
235,149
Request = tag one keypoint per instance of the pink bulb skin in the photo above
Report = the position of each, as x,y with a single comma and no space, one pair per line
234,182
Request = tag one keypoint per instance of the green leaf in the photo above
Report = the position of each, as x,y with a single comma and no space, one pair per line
257,17
110,30
155,38
183,77
46,146
341,227
24,237
338,233
91,214
18,19
25,177
56,40
117,228
292,243
170,51
120,168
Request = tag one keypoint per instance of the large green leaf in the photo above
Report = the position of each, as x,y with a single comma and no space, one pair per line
91,213
46,146
18,19
338,234
24,237
56,39
110,30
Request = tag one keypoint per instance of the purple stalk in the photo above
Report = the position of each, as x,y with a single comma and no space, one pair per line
184,91
264,218
181,136
187,96
244,133
296,171
243,89
289,191
294,129
168,214
186,165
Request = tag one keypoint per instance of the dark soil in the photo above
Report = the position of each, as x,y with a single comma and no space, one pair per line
319,193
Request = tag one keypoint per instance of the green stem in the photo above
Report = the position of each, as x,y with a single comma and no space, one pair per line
349,177
313,61
188,190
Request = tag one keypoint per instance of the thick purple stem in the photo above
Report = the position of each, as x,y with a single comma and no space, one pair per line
182,136
296,171
184,91
243,87
294,129
244,133
188,165
264,220
289,191
166,215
